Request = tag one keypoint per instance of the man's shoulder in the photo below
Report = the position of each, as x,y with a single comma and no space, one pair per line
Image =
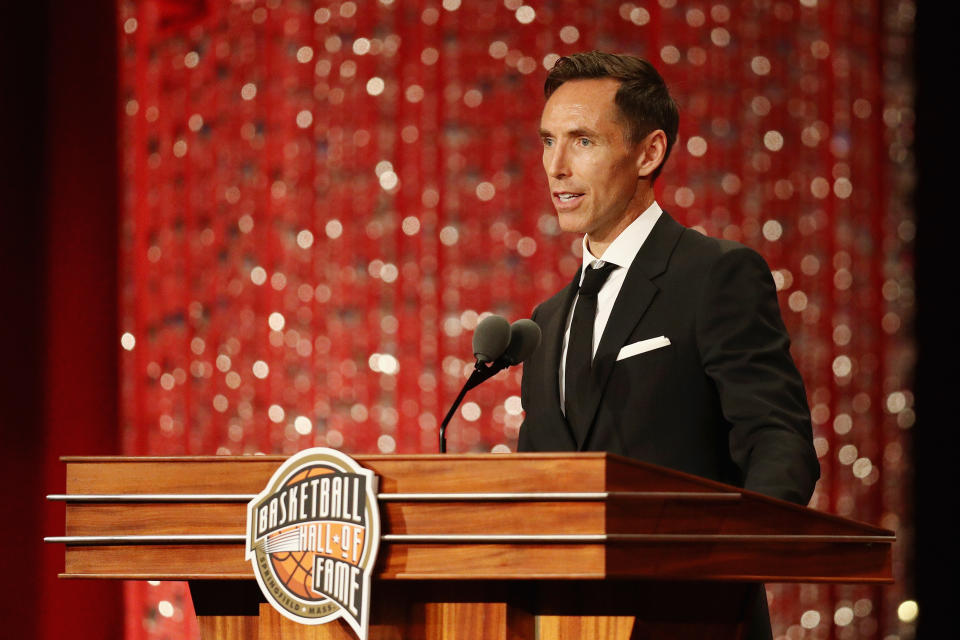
707,250
551,304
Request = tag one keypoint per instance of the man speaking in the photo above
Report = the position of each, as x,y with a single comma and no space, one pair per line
667,346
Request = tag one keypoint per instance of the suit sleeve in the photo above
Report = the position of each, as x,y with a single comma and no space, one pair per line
745,350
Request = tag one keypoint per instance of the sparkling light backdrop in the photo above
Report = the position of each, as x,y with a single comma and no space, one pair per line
322,199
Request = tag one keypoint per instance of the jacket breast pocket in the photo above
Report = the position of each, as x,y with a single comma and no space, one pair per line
642,347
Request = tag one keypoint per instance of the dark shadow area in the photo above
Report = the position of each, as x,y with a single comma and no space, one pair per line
22,63
58,262
935,435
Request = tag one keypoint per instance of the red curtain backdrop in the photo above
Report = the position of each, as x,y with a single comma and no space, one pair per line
320,201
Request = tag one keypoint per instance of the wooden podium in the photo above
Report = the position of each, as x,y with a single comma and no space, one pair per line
477,547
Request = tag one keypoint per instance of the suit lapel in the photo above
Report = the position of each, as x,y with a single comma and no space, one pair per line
635,296
553,331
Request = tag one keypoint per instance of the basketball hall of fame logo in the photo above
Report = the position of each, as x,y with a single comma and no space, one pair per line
312,537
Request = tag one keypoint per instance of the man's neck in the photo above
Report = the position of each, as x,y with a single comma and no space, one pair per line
597,244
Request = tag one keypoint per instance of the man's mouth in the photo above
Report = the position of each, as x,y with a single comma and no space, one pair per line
566,197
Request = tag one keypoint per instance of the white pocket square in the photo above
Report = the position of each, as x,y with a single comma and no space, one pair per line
642,347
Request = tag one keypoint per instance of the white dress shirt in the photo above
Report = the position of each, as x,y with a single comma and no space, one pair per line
621,252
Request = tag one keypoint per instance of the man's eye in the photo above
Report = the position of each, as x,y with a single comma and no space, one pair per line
547,142
585,142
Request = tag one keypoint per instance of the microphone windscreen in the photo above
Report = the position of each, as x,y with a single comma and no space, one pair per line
491,338
524,340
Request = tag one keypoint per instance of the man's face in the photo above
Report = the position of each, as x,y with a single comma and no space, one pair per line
591,166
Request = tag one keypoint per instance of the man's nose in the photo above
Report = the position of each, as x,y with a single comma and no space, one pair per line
557,163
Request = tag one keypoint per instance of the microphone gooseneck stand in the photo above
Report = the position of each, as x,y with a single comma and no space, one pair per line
481,373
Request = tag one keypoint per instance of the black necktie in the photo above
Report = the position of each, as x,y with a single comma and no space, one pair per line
577,378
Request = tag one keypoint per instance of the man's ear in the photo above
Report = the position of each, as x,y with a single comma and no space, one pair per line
653,149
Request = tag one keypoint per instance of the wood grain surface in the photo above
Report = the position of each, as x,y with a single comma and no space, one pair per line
661,537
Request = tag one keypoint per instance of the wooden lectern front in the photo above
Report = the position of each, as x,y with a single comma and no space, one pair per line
477,547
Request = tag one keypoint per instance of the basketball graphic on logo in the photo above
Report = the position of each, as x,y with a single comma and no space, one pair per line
294,569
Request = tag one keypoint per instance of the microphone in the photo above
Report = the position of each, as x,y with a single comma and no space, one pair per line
491,338
524,340
497,345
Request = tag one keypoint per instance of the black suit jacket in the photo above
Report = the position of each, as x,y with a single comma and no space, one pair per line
723,400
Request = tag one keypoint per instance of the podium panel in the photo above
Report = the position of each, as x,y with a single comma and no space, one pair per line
586,545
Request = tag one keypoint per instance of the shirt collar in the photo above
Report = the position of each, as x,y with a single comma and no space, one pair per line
625,246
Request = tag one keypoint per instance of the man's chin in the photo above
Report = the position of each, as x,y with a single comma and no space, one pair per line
571,222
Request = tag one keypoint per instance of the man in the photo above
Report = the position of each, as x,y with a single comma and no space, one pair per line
667,346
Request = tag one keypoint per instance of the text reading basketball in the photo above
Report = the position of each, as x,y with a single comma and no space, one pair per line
313,535
334,496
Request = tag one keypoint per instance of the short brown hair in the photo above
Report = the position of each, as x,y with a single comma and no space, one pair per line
643,98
